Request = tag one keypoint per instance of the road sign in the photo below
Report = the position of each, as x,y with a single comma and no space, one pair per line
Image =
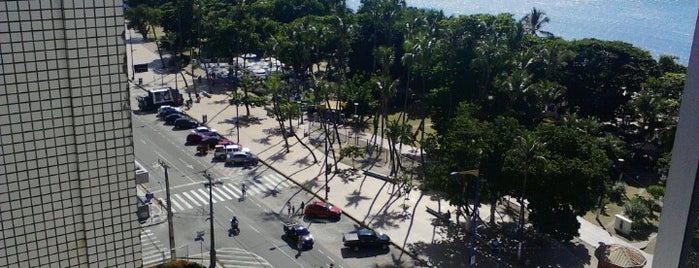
200,236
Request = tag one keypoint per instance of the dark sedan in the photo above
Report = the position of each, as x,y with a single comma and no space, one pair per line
170,119
196,137
295,232
186,123
165,112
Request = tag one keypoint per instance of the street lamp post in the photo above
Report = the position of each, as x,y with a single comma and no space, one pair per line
356,124
474,216
300,112
237,120
133,72
212,250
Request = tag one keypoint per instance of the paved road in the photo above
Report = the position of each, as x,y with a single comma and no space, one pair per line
260,243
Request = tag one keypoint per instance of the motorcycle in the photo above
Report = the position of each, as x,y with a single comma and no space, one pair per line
234,230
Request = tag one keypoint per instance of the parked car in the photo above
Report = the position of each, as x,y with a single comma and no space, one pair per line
294,231
170,119
205,131
242,158
365,238
322,210
168,111
221,151
186,123
164,108
195,137
214,140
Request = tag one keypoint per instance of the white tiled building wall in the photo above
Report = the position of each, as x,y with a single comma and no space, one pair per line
66,164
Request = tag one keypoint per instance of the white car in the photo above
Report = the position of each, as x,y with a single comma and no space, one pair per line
221,152
205,131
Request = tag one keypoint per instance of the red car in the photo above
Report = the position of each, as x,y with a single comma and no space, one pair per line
322,210
195,137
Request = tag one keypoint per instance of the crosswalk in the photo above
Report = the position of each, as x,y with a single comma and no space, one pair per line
236,257
152,250
268,184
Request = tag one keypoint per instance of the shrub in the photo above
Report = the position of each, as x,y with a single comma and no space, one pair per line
180,264
656,191
618,191
637,209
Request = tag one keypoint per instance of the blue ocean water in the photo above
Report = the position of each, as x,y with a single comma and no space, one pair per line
659,26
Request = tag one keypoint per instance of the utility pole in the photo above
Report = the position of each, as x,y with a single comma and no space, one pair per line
237,117
212,250
327,165
171,229
133,71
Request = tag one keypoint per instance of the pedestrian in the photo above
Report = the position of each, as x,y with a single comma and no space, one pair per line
288,210
301,207
293,210
299,244
244,190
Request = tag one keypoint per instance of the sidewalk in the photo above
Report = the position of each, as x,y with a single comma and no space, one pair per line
368,200
157,214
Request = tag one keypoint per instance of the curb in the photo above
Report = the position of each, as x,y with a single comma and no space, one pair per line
159,203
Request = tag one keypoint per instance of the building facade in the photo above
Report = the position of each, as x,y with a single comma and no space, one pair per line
677,244
67,164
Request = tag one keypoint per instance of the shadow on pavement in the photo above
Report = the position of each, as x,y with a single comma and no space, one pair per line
363,253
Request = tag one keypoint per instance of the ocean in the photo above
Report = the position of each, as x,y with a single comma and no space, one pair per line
663,27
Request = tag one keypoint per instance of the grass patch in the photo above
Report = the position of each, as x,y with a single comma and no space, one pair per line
156,31
415,123
606,219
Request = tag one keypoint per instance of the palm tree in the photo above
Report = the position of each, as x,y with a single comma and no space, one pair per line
528,149
534,21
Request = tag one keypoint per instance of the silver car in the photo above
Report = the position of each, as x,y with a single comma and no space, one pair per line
242,158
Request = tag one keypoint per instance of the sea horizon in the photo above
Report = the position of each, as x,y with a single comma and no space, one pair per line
662,27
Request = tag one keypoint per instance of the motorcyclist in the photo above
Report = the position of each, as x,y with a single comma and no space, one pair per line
234,223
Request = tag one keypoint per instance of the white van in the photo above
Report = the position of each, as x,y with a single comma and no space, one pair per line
221,151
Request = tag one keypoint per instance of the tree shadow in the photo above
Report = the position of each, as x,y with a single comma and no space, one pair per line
279,155
312,183
363,253
355,198
305,161
387,220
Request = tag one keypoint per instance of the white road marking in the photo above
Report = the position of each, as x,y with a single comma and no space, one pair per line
196,204
221,192
204,199
183,201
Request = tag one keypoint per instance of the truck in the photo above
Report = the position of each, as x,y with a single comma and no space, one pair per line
365,238
155,98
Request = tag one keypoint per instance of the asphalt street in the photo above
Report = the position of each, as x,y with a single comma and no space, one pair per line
261,214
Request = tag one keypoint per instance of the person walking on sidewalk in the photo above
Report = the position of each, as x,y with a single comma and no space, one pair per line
301,207
288,207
